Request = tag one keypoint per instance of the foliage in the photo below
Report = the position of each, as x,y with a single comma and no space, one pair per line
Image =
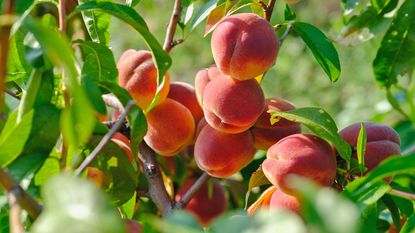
60,75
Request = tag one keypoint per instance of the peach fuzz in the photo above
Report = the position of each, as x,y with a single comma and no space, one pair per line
171,128
203,77
203,206
244,45
281,200
305,155
138,75
232,106
381,142
185,94
265,134
222,155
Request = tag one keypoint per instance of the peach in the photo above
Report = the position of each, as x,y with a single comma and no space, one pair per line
185,94
244,45
222,155
232,106
203,77
124,143
171,128
205,206
381,142
138,75
300,154
95,175
265,134
284,201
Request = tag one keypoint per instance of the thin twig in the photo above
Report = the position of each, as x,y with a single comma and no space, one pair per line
402,194
62,15
191,191
156,190
285,34
14,215
4,48
111,101
107,137
269,10
24,200
171,28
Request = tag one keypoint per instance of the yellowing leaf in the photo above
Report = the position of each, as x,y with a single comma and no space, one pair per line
214,17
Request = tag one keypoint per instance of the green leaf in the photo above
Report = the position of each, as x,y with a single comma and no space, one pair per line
75,205
394,165
394,210
29,95
161,59
178,221
17,67
122,95
13,137
94,94
380,5
409,225
369,218
320,122
396,55
138,123
203,13
50,167
97,24
361,148
128,208
99,62
118,169
322,49
289,14
78,119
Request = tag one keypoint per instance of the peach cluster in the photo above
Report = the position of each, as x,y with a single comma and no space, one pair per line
311,157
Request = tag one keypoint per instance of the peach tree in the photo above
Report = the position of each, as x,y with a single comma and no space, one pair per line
91,142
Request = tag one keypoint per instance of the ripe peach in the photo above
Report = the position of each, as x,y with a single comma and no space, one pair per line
220,154
138,75
300,154
124,143
170,128
284,201
185,94
381,142
244,45
232,106
203,206
265,134
203,77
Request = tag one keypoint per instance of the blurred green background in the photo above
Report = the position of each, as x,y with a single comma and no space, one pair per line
296,76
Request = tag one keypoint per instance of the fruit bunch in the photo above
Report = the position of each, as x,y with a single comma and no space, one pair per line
225,118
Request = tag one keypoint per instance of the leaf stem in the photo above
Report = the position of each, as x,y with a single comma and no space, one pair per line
285,34
191,191
105,140
24,200
169,43
62,15
14,218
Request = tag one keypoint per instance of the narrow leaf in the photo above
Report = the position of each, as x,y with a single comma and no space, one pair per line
361,148
396,54
97,24
321,47
214,17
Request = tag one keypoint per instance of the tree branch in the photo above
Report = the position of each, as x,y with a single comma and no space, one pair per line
14,218
4,48
24,200
171,28
269,10
157,190
62,15
105,139
191,191
403,194
111,101
285,34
